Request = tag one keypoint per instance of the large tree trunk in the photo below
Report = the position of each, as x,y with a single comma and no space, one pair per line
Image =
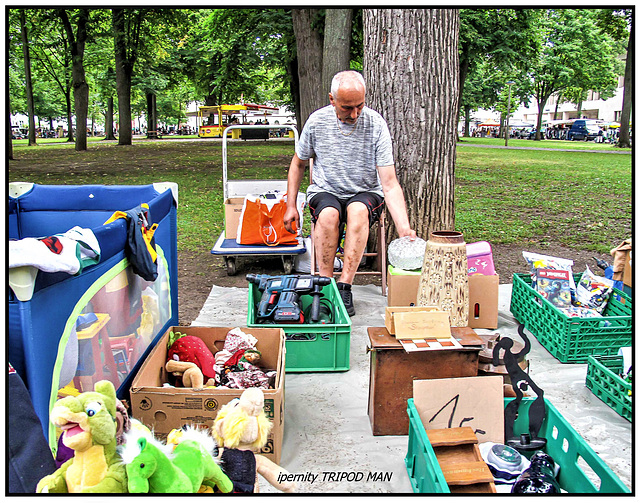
411,70
108,121
152,117
337,43
627,94
27,77
69,117
309,45
124,70
80,86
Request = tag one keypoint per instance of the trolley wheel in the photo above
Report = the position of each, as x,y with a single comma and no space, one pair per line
230,262
287,262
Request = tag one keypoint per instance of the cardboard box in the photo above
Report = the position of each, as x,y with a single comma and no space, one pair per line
166,408
627,273
232,211
483,301
483,296
389,313
402,289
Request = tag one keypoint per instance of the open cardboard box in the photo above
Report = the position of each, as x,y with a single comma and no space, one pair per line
232,211
483,296
166,408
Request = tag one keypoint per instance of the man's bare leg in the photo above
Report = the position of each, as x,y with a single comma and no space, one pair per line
355,240
325,239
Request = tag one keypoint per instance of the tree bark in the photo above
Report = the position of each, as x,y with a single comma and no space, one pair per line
80,86
124,71
108,121
627,94
337,44
152,117
27,77
411,70
309,47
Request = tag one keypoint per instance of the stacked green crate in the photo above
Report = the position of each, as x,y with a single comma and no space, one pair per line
605,380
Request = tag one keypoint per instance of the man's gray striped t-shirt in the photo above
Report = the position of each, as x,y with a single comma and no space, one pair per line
345,165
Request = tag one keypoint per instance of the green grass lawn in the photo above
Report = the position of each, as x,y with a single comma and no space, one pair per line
578,199
555,144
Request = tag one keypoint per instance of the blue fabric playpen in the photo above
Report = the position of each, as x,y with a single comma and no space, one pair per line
68,331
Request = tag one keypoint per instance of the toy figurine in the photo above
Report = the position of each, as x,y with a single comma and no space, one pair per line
89,428
241,428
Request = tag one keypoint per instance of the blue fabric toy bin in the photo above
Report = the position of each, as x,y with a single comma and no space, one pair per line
67,331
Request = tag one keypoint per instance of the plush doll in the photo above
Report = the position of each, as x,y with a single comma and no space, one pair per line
183,467
241,428
190,359
89,428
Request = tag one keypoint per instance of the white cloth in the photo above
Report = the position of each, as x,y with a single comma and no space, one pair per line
68,252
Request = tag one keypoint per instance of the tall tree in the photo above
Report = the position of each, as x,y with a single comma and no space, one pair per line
502,38
309,45
336,46
127,24
574,53
627,94
77,43
27,77
411,70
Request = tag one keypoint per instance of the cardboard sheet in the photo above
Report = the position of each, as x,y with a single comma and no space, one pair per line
462,401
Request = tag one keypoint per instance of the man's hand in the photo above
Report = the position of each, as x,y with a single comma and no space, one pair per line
292,219
407,232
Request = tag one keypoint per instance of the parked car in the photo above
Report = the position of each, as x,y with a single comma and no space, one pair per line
584,129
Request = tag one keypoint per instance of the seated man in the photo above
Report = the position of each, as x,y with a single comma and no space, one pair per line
353,176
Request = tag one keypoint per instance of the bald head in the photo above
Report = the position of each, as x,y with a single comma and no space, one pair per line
347,95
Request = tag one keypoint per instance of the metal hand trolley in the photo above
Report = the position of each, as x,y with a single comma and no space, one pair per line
228,248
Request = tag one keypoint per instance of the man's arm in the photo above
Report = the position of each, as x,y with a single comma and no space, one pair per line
394,200
294,179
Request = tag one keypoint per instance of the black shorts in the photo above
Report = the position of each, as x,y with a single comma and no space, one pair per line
322,200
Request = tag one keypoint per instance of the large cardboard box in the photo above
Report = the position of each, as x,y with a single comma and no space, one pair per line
232,211
483,296
166,408
483,301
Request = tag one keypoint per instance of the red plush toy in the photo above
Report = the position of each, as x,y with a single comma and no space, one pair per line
191,353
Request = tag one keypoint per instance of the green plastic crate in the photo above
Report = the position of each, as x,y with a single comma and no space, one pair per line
319,348
572,340
603,378
564,445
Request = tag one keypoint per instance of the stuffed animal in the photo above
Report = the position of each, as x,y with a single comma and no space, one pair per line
241,428
154,467
190,359
89,428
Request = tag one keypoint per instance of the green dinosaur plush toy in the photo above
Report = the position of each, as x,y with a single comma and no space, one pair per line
89,428
187,467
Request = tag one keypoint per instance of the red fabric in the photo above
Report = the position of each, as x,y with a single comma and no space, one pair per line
235,358
192,349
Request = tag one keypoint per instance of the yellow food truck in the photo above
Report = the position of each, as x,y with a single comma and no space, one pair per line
227,115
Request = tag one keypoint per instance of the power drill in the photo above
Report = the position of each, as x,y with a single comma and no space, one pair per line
281,296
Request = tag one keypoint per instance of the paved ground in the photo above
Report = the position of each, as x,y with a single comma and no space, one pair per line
327,428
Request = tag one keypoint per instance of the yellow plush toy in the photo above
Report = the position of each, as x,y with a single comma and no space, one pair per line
241,428
89,428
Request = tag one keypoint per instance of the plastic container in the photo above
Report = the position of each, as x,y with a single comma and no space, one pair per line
564,445
572,340
603,378
480,259
312,347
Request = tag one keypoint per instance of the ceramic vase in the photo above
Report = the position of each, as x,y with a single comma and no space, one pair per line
444,281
